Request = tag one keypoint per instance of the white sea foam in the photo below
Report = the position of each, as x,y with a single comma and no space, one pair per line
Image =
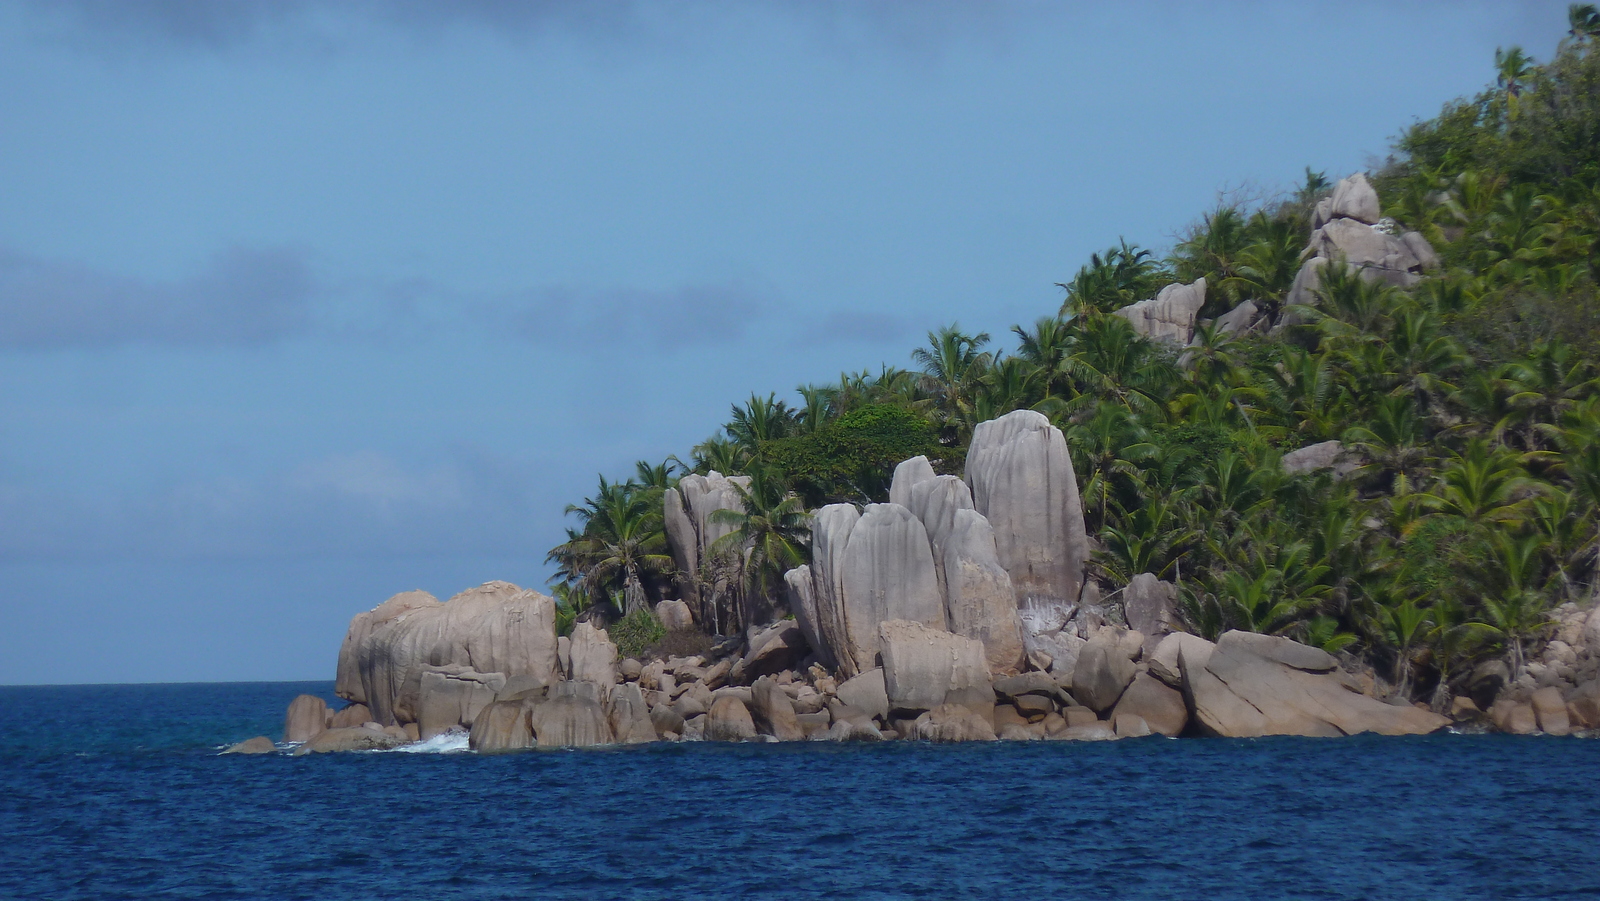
448,743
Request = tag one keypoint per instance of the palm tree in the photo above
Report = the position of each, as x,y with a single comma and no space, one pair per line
1481,486
1045,350
621,541
769,535
1123,275
761,419
954,365
1512,68
1513,606
1584,20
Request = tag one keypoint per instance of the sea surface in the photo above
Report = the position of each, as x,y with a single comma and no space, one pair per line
111,792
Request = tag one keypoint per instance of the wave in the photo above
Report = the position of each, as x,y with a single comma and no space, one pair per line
447,743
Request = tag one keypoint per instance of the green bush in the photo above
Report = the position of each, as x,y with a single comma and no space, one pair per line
852,459
636,632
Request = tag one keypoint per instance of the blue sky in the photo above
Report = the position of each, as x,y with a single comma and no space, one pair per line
304,303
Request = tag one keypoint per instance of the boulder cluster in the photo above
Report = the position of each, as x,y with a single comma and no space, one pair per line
1557,693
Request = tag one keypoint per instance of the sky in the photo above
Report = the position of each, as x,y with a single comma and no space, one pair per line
304,303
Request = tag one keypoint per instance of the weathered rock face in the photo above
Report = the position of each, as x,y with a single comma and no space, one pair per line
830,536
729,720
572,718
772,650
355,738
1023,483
494,628
683,542
1322,455
501,726
630,716
1256,685
451,696
594,657
907,474
801,592
258,745
1104,670
307,716
347,683
675,616
773,712
924,667
1375,254
886,573
1242,318
866,692
979,599
1149,605
935,502
1161,707
1163,661
1170,315
1353,198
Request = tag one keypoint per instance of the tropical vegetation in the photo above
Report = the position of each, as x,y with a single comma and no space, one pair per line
1469,402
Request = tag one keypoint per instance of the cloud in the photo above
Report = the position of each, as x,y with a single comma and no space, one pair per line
686,316
228,24
361,503
855,326
243,297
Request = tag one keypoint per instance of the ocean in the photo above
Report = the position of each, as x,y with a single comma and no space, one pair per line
117,791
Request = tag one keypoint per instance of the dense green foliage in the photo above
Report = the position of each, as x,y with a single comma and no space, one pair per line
1470,405
636,632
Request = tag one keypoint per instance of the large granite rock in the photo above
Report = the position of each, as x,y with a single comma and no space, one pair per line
502,726
452,695
258,745
347,683
1161,707
594,657
772,650
630,716
773,712
354,738
1170,315
1103,671
729,720
1353,198
1149,605
831,528
935,502
1373,253
800,589
1254,685
307,715
979,599
1022,482
1163,661
952,723
1329,455
925,667
907,474
573,717
675,616
866,692
494,628
1243,318
683,543
886,574
354,715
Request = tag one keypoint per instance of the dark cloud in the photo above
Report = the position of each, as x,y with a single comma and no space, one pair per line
686,316
243,297
852,326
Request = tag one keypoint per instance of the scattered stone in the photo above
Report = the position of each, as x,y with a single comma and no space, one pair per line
772,650
1079,716
1034,708
631,670
675,616
666,720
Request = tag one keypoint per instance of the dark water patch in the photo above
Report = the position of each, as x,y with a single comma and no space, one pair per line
109,792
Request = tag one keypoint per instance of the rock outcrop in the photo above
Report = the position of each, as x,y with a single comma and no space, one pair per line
1254,685
354,738
1330,455
800,590
573,717
347,680
494,628
1150,606
594,657
906,475
307,716
979,599
1022,481
885,573
831,528
502,726
451,696
1170,315
924,668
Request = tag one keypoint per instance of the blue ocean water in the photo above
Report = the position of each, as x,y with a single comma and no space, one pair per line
113,792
